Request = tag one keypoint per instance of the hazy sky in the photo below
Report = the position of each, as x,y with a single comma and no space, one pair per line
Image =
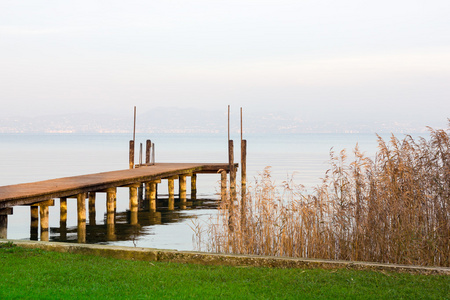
339,60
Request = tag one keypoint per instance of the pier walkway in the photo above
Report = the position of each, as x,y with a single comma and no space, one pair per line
29,193
40,195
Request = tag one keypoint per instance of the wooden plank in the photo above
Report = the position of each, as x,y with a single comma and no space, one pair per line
27,193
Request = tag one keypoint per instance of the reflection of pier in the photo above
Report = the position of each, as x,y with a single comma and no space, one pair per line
39,195
124,229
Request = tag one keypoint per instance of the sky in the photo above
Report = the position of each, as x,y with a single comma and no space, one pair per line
347,60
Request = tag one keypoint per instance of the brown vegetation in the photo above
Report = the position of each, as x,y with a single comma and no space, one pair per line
394,208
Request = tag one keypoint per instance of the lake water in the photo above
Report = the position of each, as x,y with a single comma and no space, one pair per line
34,157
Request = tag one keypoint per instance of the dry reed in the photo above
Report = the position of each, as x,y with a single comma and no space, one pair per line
394,208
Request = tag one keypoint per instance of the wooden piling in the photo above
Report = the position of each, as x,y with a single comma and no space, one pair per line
63,210
171,188
194,186
110,213
152,199
182,188
131,155
3,226
62,219
134,205
92,213
43,214
81,212
110,198
34,224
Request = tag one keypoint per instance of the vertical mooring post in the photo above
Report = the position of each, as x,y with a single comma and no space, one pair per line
148,149
63,219
243,172
131,156
81,212
153,153
140,154
232,172
34,224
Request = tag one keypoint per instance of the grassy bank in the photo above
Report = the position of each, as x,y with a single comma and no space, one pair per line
31,273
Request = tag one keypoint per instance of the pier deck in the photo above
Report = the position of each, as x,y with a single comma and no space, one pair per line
29,193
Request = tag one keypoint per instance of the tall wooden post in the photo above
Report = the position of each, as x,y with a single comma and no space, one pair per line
131,156
243,173
194,186
34,224
92,213
81,209
153,153
63,219
140,154
232,172
148,148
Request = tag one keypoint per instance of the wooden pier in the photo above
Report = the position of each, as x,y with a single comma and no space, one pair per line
40,195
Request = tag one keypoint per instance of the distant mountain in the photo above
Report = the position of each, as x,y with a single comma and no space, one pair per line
193,120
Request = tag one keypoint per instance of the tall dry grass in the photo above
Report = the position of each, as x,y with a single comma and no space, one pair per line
392,209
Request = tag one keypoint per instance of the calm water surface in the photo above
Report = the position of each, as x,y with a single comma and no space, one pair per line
34,157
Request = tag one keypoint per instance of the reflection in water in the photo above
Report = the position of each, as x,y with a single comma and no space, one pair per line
128,225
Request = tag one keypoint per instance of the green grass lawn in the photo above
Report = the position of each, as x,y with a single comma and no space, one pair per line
31,273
